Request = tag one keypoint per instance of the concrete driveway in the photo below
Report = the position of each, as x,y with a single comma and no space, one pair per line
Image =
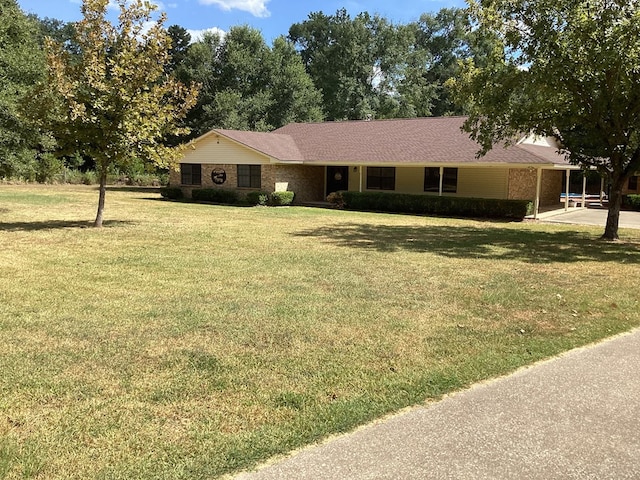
590,216
572,417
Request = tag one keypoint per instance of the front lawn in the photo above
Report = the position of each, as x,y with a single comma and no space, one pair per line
187,341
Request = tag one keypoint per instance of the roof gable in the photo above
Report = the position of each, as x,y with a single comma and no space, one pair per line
432,140
278,146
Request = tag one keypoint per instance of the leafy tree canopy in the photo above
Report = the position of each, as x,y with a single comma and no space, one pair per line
563,68
113,100
21,66
442,40
246,85
347,60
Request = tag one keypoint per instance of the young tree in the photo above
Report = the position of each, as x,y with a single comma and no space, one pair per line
115,103
563,68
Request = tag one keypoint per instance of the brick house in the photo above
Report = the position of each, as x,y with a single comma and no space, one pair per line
633,185
429,156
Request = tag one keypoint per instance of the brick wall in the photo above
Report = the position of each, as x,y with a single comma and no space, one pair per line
267,179
522,185
626,190
307,182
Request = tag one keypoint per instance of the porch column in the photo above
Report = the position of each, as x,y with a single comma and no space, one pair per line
536,206
584,189
566,192
601,189
360,173
440,181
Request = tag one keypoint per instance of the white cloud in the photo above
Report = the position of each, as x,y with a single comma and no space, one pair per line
196,35
257,8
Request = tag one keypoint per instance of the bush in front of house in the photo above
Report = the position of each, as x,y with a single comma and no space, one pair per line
336,199
434,205
171,193
632,202
277,199
215,195
257,198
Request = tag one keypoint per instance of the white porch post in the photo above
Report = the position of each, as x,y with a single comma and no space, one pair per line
566,192
601,189
584,189
538,189
360,184
440,181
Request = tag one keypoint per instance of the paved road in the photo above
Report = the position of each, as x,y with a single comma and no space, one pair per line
573,417
592,216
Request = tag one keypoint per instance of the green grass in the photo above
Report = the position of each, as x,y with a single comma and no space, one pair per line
187,341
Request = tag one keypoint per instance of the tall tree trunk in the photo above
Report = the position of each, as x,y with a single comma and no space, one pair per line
615,204
103,194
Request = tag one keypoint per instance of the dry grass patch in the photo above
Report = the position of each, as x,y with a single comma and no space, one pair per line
188,341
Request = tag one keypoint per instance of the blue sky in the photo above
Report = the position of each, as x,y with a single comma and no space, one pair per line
272,17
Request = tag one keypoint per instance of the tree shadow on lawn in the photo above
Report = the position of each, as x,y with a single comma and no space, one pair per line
55,225
477,242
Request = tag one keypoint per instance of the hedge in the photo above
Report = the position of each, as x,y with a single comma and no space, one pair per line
281,198
257,198
632,202
434,205
171,193
214,195
273,199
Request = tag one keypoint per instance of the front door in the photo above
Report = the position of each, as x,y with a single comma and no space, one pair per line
337,179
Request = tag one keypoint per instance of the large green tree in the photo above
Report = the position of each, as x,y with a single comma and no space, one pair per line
180,42
442,40
22,64
247,85
350,60
114,102
294,98
563,68
200,65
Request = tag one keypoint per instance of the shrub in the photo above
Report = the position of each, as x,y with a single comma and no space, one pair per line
147,179
632,202
257,198
215,195
433,205
336,198
171,193
89,178
49,169
281,198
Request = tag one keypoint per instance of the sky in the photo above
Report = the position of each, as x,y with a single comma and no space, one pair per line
272,17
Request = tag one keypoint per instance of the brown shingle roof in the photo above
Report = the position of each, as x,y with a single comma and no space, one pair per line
434,140
279,146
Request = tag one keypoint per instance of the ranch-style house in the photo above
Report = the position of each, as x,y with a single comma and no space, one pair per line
427,156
